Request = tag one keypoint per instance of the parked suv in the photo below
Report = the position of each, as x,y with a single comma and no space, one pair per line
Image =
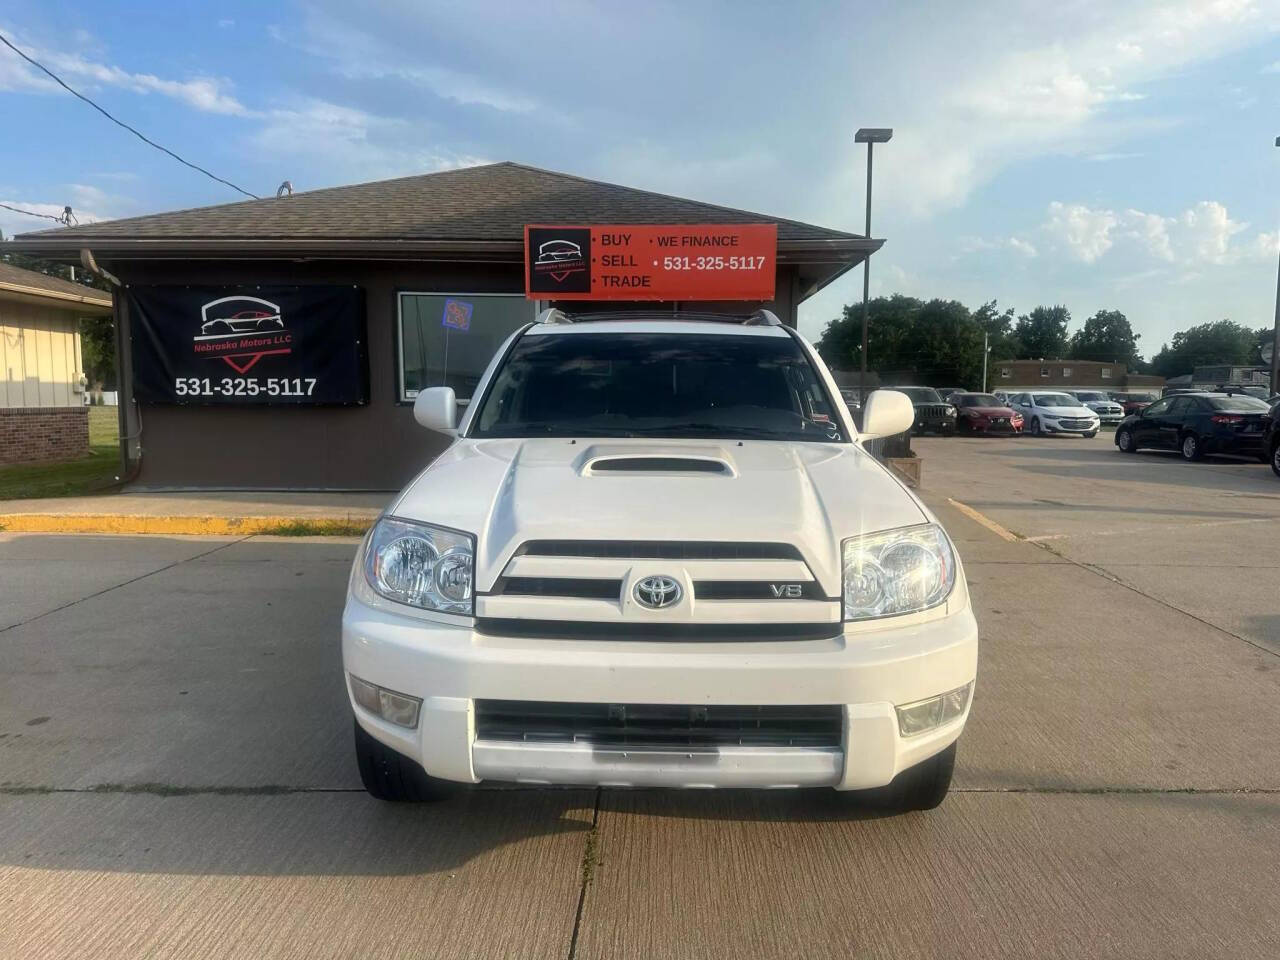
657,554
1107,409
931,411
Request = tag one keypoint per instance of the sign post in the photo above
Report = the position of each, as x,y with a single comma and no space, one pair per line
651,262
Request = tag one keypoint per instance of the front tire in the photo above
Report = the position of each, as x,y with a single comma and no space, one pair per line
1275,459
1034,426
1124,440
391,776
922,787
1191,447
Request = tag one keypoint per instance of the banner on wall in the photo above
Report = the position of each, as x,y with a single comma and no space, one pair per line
249,345
651,262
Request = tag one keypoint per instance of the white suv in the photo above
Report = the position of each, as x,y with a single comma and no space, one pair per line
657,554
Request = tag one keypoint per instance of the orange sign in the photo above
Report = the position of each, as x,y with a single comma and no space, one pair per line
648,262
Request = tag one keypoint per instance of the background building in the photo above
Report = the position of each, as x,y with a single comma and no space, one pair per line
1019,375
418,281
42,412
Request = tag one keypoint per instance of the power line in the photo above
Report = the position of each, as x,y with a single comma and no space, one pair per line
120,123
32,213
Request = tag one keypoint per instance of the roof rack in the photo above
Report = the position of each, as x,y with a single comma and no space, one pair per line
758,318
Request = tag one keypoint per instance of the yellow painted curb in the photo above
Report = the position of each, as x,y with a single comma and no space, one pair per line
172,526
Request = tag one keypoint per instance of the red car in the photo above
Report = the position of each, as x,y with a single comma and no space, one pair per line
983,413
1133,402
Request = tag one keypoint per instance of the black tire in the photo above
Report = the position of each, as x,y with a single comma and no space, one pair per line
922,787
1190,447
1124,441
392,776
1275,458
1090,436
1034,427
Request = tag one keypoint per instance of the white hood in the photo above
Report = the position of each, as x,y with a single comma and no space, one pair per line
812,495
1069,412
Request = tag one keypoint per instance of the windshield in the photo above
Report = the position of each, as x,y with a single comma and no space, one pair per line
920,394
657,385
976,400
1056,400
1239,404
1089,396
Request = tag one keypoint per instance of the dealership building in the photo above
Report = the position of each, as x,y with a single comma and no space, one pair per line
279,343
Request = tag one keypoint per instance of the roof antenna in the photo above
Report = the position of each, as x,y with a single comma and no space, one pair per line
285,189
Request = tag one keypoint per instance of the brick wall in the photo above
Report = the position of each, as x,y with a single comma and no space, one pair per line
35,434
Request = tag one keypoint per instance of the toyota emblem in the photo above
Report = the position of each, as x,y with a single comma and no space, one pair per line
657,592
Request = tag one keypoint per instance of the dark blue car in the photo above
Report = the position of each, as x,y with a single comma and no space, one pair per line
1196,424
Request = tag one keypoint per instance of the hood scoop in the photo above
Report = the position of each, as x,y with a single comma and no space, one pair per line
664,461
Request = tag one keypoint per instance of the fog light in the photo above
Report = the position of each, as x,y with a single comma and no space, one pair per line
399,709
365,694
393,707
925,715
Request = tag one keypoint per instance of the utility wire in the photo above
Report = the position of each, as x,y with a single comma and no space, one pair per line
120,123
32,213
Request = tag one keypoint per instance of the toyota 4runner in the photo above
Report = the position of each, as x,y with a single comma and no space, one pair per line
657,553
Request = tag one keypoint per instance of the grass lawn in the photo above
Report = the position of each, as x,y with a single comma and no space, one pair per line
75,477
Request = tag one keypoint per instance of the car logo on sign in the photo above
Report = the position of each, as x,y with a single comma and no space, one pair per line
657,592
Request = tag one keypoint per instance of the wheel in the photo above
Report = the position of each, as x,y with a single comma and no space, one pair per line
1275,458
1191,447
921,787
1124,440
1035,427
392,776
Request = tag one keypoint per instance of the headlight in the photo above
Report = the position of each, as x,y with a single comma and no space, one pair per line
421,565
898,571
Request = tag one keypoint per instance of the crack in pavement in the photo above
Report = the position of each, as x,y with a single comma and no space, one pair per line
123,583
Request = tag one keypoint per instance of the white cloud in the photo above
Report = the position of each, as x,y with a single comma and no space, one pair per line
1198,236
1038,80
1023,247
1085,233
361,144
208,94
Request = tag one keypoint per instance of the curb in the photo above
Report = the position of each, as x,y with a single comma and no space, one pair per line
311,525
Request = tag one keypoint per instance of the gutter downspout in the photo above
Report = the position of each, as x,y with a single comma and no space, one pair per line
122,410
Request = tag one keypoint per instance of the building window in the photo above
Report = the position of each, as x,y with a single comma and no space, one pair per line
1006,373
1066,371
1106,373
1044,371
447,339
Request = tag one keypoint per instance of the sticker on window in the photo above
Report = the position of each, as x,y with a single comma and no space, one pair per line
457,315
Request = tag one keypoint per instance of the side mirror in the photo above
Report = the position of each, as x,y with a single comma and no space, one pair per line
887,412
436,408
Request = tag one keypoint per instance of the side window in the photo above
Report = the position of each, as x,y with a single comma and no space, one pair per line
1158,408
1180,407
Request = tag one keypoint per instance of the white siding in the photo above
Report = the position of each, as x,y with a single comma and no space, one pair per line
39,356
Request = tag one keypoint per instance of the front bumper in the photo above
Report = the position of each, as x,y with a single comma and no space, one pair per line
935,425
867,671
1073,426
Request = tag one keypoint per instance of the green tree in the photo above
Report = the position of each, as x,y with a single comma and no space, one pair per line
1043,332
998,325
1222,341
1107,337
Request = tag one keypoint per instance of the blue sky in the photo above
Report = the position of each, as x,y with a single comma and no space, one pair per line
1112,154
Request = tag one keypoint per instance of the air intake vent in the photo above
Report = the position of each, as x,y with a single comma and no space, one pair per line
659,465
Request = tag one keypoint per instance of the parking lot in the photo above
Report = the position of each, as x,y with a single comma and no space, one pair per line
176,774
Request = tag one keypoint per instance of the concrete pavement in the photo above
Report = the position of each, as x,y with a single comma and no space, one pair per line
176,775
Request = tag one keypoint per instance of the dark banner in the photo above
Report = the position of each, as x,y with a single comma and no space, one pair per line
249,345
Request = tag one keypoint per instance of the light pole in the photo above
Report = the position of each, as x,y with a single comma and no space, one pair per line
870,136
1275,336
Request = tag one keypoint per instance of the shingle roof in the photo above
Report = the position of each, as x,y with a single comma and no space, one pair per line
29,281
492,202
